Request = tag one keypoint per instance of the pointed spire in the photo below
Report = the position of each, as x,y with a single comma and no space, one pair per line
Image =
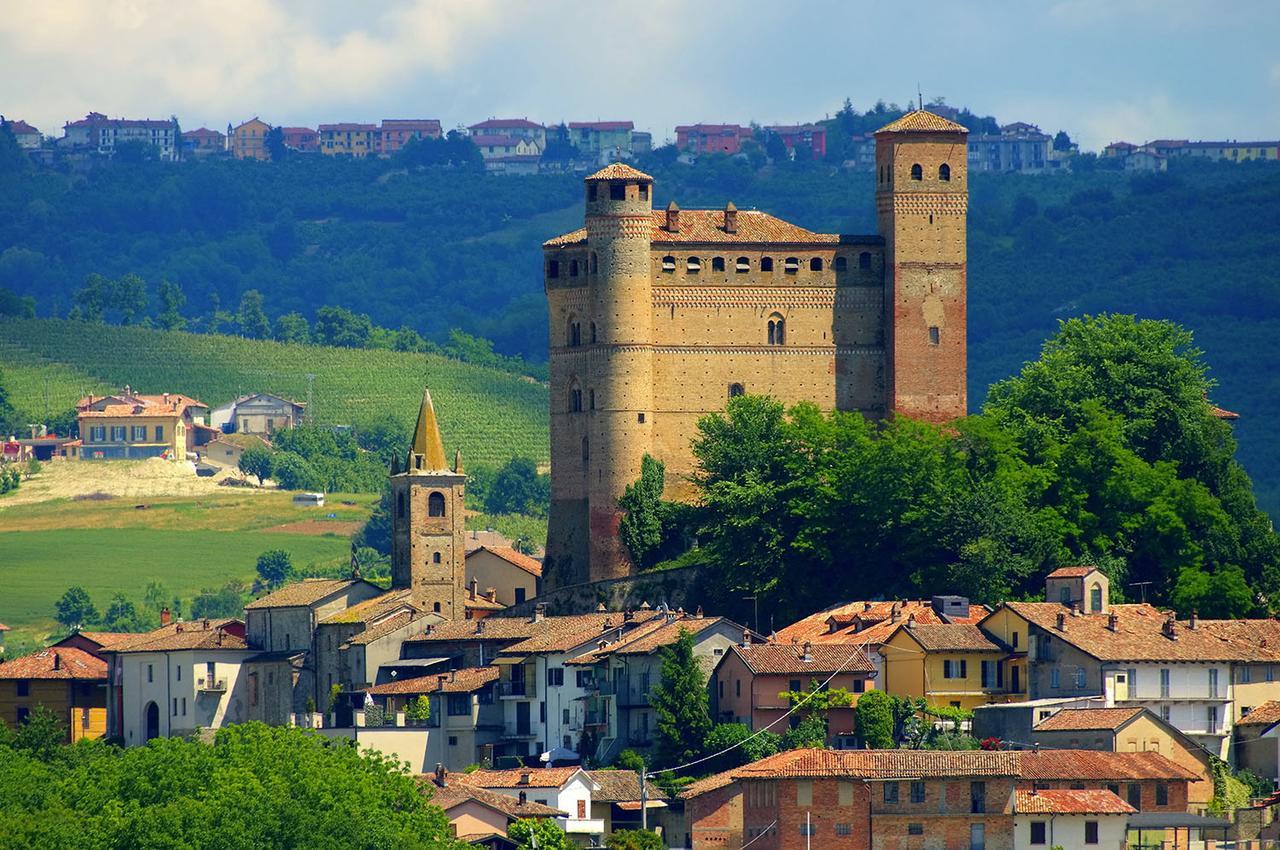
457,462
426,437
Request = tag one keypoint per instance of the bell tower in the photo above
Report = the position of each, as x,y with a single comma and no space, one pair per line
428,552
922,198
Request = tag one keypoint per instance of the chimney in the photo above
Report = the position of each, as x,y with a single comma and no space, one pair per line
1113,622
440,775
523,798
699,613
807,653
911,621
1075,608
627,616
1169,627
539,613
166,398
475,587
165,617
645,606
1062,622
480,626
673,218
453,675
730,218
866,606
220,634
525,778
894,614
746,638
440,680
600,609
491,594
178,628
57,661
607,624
206,624
1191,623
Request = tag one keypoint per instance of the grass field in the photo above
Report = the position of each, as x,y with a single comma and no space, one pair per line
490,415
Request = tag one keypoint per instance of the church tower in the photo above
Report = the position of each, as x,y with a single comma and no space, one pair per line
428,552
922,197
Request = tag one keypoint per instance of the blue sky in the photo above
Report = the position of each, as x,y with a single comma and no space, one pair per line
1101,70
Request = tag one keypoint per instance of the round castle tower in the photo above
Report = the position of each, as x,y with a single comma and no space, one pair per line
620,385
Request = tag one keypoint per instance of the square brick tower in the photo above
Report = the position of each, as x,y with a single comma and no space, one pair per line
428,552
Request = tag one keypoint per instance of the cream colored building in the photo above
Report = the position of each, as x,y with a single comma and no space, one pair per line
249,140
131,425
513,575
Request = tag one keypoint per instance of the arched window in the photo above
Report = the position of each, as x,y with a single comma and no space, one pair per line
766,264
435,606
586,451
944,173
400,505
575,398
917,172
815,265
736,390
668,263
693,265
553,268
617,191
595,266
864,260
717,264
573,336
1095,599
573,268
742,265
776,329
435,504
842,263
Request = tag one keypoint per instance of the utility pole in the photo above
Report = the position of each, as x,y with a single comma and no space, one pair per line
644,797
311,378
755,616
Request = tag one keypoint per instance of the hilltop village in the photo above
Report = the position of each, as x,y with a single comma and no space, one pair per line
521,689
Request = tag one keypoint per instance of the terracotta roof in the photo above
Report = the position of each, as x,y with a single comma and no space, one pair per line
1080,719
1267,714
1221,413
520,777
601,125
707,226
1068,802
480,603
530,565
883,764
786,658
562,634
708,784
1139,635
618,171
62,662
348,128
303,593
457,792
22,128
651,636
224,634
462,681
133,404
868,623
243,441
922,121
202,133
375,608
106,639
1071,572
951,637
1100,765
382,628
619,786
507,124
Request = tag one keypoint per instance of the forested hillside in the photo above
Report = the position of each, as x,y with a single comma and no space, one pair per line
439,248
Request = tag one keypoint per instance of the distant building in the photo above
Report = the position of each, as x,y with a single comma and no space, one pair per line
249,140
711,138
1019,148
512,575
602,139
641,141
69,682
1234,151
226,450
99,133
395,133
354,140
302,139
257,413
129,425
1145,160
512,128
811,136
204,142
1154,155
28,137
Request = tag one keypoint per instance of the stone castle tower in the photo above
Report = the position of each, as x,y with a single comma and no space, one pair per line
657,319
428,553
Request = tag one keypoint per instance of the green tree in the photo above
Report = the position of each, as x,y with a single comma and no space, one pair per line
634,839
810,731
519,489
641,529
680,703
742,744
75,608
874,715
274,567
257,461
273,141
292,472
227,601
407,339
538,834
292,327
13,159
129,298
22,306
376,533
250,318
1061,141
387,437
41,734
339,326
172,300
419,710
123,616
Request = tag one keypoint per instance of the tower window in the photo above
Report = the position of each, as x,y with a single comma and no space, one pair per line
586,451
776,330
842,263
644,191
591,191
791,265
694,265
864,260
736,390
591,399
553,268
717,264
593,333
573,334
640,418
944,173
573,268
435,557
400,505
617,191
435,504
766,264
743,265
668,263
934,335
435,606
917,172
815,265
575,400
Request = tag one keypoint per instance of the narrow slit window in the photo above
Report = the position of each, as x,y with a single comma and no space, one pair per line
944,173
935,336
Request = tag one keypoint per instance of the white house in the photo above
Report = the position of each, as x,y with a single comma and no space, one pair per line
177,679
1071,819
568,789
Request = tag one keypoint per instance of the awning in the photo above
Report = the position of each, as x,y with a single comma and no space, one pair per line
511,659
412,662
634,805
1175,820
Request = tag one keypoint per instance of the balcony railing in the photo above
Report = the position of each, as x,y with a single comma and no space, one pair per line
518,689
512,732
211,686
597,718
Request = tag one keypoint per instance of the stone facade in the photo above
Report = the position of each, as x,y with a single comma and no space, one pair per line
658,319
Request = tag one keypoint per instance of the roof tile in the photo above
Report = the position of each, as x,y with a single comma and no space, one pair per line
1068,802
1082,719
922,121
62,662
780,659
461,681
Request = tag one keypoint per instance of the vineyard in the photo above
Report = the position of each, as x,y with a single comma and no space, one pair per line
490,415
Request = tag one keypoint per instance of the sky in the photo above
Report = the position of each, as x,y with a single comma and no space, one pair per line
1100,69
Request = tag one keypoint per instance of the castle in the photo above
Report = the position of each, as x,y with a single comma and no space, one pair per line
658,318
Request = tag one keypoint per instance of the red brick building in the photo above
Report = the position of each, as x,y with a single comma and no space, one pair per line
712,138
395,133
811,136
301,139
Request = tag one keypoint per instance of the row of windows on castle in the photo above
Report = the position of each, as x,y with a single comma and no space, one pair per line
917,173
693,265
775,331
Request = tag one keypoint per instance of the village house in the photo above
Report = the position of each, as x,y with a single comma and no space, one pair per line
203,142
511,128
301,139
514,576
1019,148
481,817
711,138
617,803
96,132
1257,740
128,425
225,450
602,141
257,413
352,646
395,133
751,681
348,139
953,664
466,717
568,789
1070,819
28,137
249,140
812,137
67,681
176,679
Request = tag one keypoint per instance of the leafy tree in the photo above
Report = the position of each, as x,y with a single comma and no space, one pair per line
748,746
41,735
634,839
227,601
135,151
338,326
75,608
811,731
519,489
641,529
273,142
538,834
250,318
874,713
387,437
407,339
22,306
13,159
559,146
629,759
122,616
680,703
292,327
257,461
129,298
292,472
172,300
274,567
419,710
1061,141
376,533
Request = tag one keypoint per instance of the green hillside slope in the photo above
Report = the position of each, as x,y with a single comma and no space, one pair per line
490,415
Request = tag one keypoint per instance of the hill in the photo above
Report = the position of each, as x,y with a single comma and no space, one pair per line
490,415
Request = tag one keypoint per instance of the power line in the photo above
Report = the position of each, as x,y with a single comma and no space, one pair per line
760,835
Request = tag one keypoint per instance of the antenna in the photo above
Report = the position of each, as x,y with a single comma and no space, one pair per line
919,95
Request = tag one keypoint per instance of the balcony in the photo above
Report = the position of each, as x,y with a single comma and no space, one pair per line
211,686
518,689
514,732
596,718
633,697
584,826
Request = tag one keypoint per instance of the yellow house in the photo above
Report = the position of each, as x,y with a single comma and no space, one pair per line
67,681
249,140
355,140
949,665
129,425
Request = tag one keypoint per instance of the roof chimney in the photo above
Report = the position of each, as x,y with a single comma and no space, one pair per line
206,623
440,775
807,653
911,621
539,613
894,614
730,218
1062,622
699,613
1113,622
1169,627
866,606
178,628
480,626
525,778
673,218
1191,623
475,587
440,680
600,609
523,798
1075,608
165,617
491,594
57,660
746,638
627,616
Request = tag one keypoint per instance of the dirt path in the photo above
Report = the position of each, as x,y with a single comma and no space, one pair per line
122,478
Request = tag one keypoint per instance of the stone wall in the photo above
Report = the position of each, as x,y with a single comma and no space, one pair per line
678,588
